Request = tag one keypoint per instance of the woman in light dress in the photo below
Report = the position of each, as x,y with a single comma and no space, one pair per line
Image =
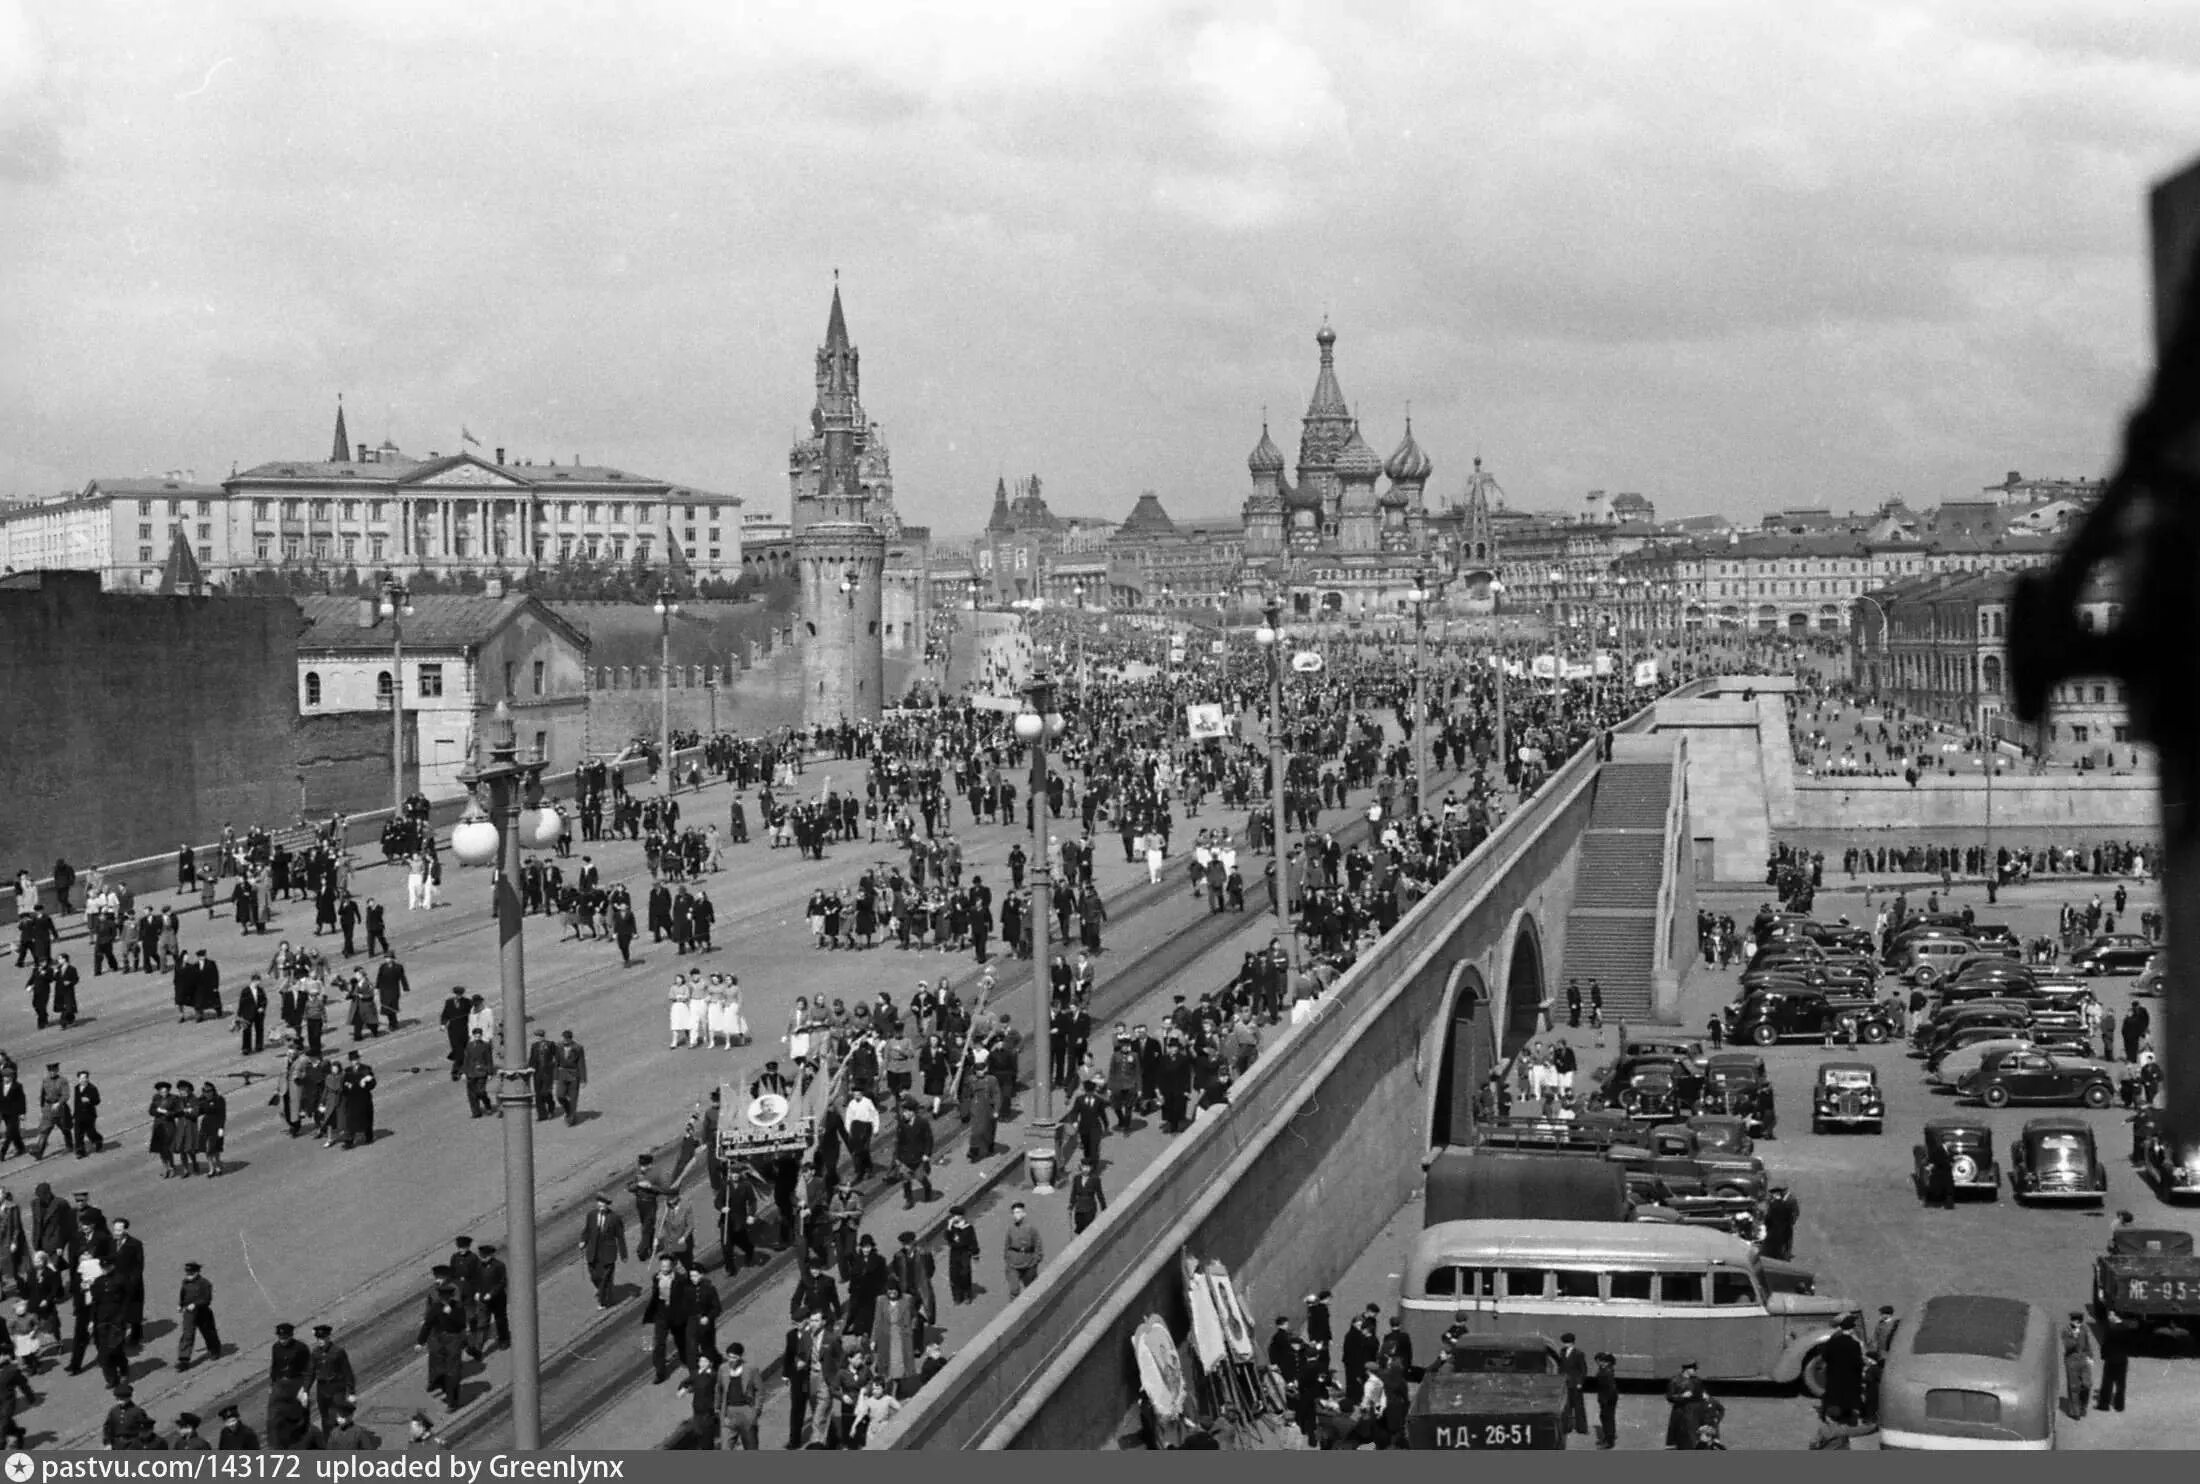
1153,856
798,1030
681,1013
725,1012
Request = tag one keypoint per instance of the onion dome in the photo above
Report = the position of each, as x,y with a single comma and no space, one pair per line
1307,496
1266,458
1393,498
1408,465
1356,461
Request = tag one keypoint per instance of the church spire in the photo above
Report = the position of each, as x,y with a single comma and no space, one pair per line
342,452
836,325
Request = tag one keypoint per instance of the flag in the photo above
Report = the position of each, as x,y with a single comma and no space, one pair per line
466,434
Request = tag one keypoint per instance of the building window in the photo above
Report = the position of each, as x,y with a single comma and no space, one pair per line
595,513
351,510
618,515
206,554
374,547
145,507
641,552
618,548
542,744
2080,735
263,509
2100,695
145,532
565,511
714,553
714,533
351,548
565,548
431,680
2123,734
291,509
145,553
206,508
206,530
691,535
539,669
320,548
313,688
320,510
511,677
262,549
382,686
376,509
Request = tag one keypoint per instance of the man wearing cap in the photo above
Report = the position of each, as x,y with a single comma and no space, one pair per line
235,1436
572,1076
186,1439
1844,1356
127,1428
671,1304
420,1436
443,1336
347,1436
961,1239
647,1193
333,1381
2077,1354
456,1012
542,1075
195,1317
913,1142
477,1063
603,1247
496,1297
357,1103
53,1110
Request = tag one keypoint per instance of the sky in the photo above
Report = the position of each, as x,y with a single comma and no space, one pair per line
1732,256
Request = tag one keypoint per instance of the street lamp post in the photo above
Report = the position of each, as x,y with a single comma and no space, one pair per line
665,607
396,603
1034,725
515,819
1423,590
1270,637
1504,745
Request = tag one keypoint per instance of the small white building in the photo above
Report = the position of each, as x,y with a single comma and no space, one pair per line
462,655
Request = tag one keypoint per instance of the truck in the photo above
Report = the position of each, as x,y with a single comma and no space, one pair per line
1491,1391
2149,1277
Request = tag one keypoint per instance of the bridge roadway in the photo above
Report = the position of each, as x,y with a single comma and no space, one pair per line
301,1233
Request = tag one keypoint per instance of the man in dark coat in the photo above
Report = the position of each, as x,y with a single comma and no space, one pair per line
289,1370
333,1381
252,1016
542,1075
390,988
603,1248
1574,1367
1844,1356
572,1076
443,1336
454,1017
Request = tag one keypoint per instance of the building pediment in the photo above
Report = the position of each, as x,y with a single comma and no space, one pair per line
462,472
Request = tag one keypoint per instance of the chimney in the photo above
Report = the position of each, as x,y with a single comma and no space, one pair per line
367,613
492,587
500,457
363,455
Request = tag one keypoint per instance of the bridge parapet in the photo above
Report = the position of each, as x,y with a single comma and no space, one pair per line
1322,1141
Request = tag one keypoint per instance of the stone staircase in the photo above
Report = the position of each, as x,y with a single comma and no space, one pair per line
1613,928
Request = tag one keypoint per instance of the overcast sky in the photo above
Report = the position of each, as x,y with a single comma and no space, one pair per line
1728,255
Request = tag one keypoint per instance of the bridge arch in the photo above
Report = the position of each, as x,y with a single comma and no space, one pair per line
1462,1041
1526,986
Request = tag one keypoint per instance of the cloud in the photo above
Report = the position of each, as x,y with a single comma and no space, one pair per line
1726,253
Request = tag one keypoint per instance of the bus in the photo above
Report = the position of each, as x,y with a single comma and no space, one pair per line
1656,1296
1972,1372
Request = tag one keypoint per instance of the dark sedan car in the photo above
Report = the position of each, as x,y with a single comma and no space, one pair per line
1969,1149
2120,954
2028,1075
1847,1096
1794,1013
2054,1159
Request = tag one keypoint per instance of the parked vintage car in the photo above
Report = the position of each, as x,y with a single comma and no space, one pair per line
1735,1086
1722,1171
1926,960
2054,1159
2149,982
1834,978
2114,953
1649,1092
2029,1075
1969,1146
1769,1016
1491,1391
2148,1277
2174,1168
1847,1096
1679,1048
1718,1134
1685,1076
